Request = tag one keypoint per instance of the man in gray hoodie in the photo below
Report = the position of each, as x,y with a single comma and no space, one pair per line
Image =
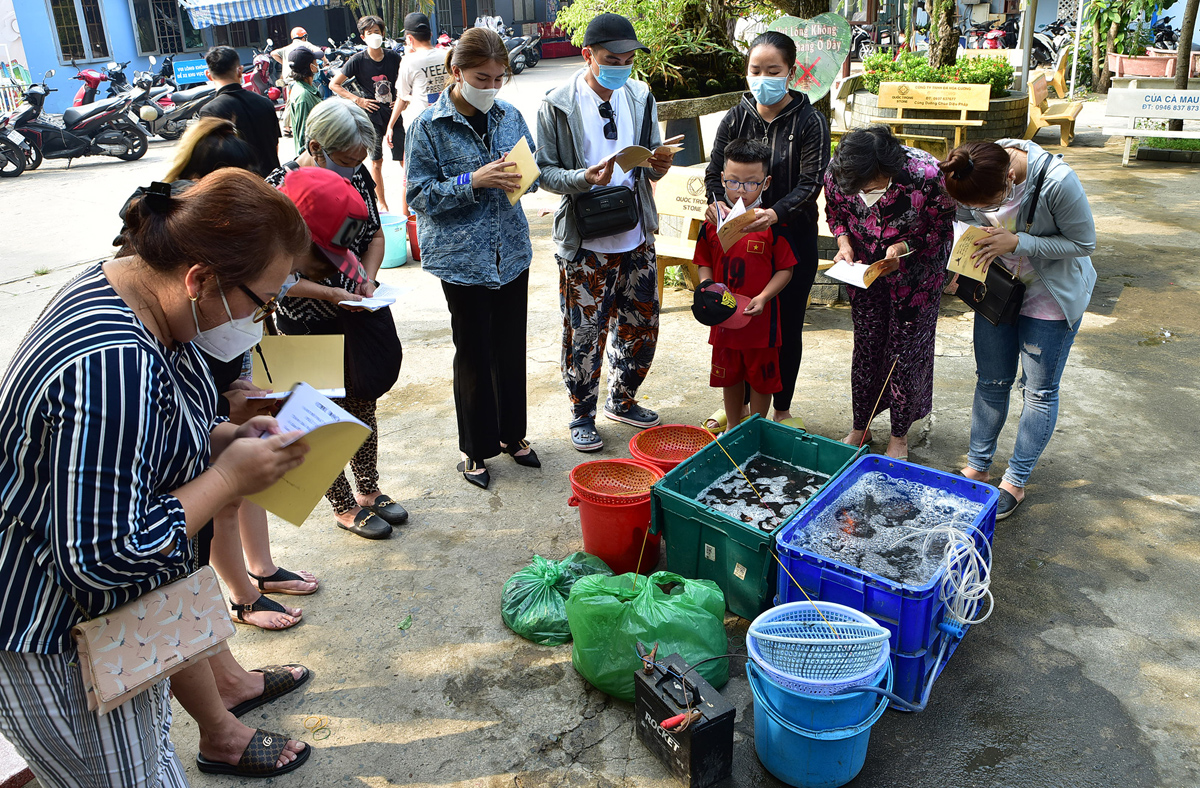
606,283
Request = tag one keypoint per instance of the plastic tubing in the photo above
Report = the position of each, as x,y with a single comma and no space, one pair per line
966,586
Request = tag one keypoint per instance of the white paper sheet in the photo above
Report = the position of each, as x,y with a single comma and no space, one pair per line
385,295
306,409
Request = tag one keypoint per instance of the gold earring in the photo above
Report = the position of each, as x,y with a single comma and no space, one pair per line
193,298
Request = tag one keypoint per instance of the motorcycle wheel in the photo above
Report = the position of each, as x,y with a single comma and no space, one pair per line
1041,56
137,136
12,159
518,63
33,157
534,57
172,131
867,49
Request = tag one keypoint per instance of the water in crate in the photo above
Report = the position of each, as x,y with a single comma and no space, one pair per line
784,488
866,526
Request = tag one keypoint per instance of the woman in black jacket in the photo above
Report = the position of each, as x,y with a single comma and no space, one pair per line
799,137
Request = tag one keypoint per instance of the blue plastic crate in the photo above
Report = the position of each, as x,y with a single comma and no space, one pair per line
911,613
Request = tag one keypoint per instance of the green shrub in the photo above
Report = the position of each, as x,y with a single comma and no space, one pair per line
913,67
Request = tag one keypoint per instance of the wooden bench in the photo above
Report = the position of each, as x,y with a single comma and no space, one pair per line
680,194
923,96
1057,76
1155,104
1042,113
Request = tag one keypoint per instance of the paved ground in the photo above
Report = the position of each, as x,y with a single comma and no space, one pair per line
1085,676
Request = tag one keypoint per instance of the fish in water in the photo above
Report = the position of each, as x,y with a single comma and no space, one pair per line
783,488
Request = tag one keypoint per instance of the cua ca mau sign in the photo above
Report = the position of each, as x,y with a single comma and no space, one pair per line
822,44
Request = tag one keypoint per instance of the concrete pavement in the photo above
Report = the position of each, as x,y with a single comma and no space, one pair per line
1086,675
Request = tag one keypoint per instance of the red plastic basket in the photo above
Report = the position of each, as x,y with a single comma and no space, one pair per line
614,482
668,445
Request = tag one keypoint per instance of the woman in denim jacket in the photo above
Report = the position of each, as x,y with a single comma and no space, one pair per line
478,245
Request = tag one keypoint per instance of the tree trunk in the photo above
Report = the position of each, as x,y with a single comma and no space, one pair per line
908,32
1110,46
943,35
1097,60
1183,61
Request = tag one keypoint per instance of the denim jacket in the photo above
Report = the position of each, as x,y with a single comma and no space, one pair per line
467,236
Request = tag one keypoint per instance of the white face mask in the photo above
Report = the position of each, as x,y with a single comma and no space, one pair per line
478,98
373,40
228,340
873,196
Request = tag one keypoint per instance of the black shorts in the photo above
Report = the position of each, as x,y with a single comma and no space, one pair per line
397,142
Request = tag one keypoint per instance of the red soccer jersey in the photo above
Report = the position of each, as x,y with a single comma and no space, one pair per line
746,269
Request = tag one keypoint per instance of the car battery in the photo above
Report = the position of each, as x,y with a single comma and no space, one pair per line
701,754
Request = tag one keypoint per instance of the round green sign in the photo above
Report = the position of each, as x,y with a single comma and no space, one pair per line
822,45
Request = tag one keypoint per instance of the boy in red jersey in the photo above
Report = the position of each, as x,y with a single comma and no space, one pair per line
738,288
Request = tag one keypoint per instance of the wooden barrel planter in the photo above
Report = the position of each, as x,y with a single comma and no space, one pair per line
682,116
1006,117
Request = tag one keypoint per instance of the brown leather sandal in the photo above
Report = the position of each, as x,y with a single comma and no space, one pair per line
277,682
259,758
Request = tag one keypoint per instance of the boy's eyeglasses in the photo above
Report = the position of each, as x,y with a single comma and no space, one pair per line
742,186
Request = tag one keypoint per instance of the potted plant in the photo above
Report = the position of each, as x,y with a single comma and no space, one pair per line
1116,29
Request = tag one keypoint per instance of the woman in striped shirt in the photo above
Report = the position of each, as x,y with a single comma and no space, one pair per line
112,457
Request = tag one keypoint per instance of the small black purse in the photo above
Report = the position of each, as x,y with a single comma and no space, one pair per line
611,210
998,298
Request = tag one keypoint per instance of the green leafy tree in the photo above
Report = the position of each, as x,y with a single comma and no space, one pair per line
1117,27
392,12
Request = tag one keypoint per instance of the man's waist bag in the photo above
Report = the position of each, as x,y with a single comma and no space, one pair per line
611,210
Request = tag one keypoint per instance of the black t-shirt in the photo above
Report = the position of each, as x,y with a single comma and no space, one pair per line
256,122
375,80
479,122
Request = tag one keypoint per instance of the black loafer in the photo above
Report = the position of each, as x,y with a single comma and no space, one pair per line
368,525
1007,505
391,512
471,472
529,460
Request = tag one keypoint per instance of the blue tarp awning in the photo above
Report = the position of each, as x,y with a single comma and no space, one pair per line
208,13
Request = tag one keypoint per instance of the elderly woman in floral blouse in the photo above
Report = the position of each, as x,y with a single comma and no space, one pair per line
886,201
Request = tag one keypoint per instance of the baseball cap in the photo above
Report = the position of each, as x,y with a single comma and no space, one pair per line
714,304
334,212
301,59
613,32
299,32
416,22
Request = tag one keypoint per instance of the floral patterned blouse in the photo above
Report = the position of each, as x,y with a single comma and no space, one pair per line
916,209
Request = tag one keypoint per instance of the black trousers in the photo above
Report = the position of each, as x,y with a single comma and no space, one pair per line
793,301
489,364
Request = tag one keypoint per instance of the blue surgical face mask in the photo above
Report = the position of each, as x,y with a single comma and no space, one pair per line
768,90
329,164
613,77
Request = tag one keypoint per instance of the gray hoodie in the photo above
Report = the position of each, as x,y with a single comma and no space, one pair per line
560,158
1063,235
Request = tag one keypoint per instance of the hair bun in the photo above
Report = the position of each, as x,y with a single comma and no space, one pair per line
959,164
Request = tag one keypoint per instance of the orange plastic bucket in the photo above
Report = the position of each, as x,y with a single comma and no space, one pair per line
667,445
613,497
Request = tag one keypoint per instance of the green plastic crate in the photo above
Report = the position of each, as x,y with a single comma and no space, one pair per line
705,544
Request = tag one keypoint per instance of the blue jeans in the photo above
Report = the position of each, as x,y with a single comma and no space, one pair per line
1042,347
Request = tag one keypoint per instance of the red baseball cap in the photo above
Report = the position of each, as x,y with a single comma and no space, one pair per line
334,212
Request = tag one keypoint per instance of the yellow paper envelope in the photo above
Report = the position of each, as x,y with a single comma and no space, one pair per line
295,495
523,157
317,360
960,255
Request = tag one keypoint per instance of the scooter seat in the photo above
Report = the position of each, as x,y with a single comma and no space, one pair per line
160,91
183,96
73,115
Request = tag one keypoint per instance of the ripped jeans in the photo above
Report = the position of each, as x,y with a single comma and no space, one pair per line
1042,347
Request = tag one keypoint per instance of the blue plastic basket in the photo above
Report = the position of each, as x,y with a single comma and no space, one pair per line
817,648
910,613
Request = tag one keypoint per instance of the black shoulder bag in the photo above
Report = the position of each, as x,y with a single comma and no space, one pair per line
998,298
612,210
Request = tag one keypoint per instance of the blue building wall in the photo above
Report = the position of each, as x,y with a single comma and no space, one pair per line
37,35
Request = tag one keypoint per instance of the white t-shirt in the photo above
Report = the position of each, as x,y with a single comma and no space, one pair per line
1038,302
596,148
423,77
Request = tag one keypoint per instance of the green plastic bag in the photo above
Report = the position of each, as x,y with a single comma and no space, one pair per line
534,601
608,618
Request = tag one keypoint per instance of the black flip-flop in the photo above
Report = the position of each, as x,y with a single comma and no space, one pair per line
282,575
1007,505
277,682
259,757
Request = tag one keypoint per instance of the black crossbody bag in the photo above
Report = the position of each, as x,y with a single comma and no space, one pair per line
998,299
612,210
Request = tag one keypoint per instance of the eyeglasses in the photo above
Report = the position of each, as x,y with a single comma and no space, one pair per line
742,186
610,120
263,309
1008,195
349,231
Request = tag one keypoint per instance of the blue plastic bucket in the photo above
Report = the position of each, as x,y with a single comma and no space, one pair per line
395,236
811,741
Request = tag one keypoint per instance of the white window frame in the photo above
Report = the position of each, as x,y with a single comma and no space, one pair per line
83,34
180,11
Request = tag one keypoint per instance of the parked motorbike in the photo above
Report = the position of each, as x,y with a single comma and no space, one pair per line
257,78
1165,36
977,35
102,128
345,49
1046,44
168,116
1003,36
91,79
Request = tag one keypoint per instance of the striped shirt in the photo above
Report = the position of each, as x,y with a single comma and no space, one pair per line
98,423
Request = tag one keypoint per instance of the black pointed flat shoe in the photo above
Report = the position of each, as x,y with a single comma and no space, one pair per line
529,460
475,473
